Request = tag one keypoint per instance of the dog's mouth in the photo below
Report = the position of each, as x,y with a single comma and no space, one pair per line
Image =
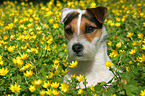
79,55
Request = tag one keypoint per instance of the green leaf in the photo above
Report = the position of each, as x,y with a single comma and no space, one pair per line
61,54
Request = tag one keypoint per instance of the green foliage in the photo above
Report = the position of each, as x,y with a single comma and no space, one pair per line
33,53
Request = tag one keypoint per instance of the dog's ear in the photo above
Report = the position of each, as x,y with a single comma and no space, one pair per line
65,12
100,13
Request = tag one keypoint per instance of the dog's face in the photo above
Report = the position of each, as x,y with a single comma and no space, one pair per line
83,30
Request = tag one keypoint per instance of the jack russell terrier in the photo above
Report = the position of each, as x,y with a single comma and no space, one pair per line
86,36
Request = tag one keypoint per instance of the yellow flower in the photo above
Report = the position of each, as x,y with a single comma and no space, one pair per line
117,24
114,37
143,47
123,19
138,64
73,76
18,62
140,35
23,3
130,62
15,20
39,32
64,72
37,83
55,26
143,41
121,51
42,92
51,20
15,88
93,5
51,75
23,47
134,43
46,84
56,72
80,91
55,66
0,58
49,91
110,43
92,88
64,45
129,34
12,36
118,19
3,71
132,52
128,69
11,49
109,64
56,61
73,64
96,95
24,56
142,58
65,64
43,8
80,78
139,42
118,45
1,62
32,88
113,95
5,37
143,24
34,50
64,87
38,28
55,92
54,47
142,93
109,22
55,85
28,73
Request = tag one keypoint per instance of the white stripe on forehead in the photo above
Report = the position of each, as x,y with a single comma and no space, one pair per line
79,19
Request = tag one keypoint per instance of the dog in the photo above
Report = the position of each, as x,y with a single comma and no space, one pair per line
86,36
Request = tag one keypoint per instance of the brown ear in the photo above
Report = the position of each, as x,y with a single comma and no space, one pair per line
100,13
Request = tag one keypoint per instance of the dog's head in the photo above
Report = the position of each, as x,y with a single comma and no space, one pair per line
83,31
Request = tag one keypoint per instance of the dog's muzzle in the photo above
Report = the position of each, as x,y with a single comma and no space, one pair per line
77,48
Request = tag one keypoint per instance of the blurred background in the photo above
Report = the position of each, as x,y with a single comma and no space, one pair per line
34,1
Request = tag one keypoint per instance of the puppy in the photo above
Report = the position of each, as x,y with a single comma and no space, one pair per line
86,36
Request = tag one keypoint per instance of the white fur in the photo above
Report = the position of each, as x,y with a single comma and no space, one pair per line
92,62
66,11
92,65
79,19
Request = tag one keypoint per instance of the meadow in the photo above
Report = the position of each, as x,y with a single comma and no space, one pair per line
33,55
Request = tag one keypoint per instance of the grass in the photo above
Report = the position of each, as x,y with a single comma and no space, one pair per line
33,49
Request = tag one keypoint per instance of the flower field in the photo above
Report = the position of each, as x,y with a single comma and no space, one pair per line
33,55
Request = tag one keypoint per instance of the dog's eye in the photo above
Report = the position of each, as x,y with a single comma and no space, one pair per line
90,29
69,31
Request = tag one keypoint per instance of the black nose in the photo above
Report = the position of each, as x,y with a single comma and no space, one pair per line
77,48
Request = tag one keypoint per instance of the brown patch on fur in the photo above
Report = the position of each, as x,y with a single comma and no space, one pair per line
74,27
100,13
87,19
89,36
70,17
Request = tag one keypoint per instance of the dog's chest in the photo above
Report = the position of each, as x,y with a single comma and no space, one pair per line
94,70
